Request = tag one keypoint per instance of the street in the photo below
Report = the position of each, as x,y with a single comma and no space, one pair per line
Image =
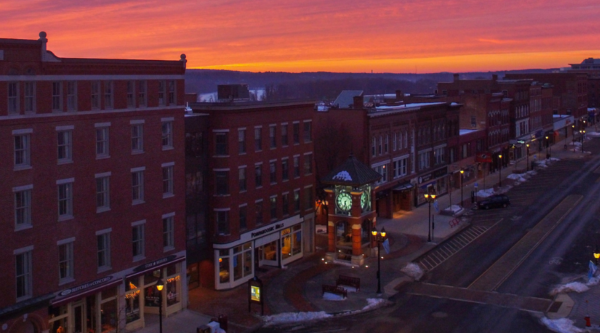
500,281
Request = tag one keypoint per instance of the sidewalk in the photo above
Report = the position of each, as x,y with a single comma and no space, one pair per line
297,288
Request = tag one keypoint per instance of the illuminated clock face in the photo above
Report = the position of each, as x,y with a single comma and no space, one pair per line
344,201
364,200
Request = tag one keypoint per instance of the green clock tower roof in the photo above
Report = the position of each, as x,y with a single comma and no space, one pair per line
352,172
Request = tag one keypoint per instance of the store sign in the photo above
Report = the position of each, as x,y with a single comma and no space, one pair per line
267,230
255,293
85,286
155,263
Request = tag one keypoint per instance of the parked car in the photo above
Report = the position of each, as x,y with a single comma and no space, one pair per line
494,201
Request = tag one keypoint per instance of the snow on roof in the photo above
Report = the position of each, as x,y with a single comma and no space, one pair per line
343,175
466,131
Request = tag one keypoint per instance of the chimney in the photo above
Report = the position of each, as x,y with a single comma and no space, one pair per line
399,95
456,77
358,102
182,59
44,40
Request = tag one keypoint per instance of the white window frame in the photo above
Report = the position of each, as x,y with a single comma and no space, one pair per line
131,94
168,232
12,100
137,185
167,133
102,140
137,136
108,95
69,274
167,179
22,153
95,95
71,95
57,103
142,93
22,208
102,192
103,238
138,240
29,96
26,274
65,194
64,149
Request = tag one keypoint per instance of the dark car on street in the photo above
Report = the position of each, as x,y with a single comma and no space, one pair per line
494,201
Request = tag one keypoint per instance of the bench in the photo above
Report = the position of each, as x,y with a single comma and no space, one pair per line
334,290
350,281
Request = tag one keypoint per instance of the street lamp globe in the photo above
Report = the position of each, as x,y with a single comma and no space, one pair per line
383,233
160,285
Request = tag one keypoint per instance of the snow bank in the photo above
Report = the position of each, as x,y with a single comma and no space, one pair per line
593,281
562,325
332,297
413,270
571,286
520,177
485,193
592,134
293,317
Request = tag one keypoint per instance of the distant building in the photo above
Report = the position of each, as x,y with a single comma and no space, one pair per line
92,190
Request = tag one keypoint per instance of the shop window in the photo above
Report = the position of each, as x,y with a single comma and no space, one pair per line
151,295
242,261
173,289
223,266
132,300
59,317
108,311
291,241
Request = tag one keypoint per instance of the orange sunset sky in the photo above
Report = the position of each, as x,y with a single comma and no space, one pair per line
396,36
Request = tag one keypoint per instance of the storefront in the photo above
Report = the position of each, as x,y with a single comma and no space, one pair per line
435,181
276,245
118,302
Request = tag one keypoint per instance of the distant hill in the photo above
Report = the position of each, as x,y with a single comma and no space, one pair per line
327,85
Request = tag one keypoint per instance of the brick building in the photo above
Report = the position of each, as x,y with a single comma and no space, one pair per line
92,189
260,188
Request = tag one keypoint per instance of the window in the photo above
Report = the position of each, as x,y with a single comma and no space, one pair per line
221,144
167,180
284,135
23,274
29,96
243,217
308,198
439,155
65,146
374,147
141,93
273,172
102,193
161,93
307,132
386,144
137,138
108,94
22,150
222,222
379,148
130,94
273,210
137,241
258,175
137,186
168,232
22,207
400,167
167,134
13,98
71,96
285,204
394,147
242,141
102,142
242,179
65,199
307,164
285,172
382,170
171,87
103,241
296,166
56,96
272,137
296,133
424,162
259,212
257,139
473,121
296,200
95,95
221,182
65,262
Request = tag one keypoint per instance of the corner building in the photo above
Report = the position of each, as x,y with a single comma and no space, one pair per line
92,190
260,187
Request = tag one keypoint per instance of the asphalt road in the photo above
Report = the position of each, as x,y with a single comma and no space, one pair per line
559,257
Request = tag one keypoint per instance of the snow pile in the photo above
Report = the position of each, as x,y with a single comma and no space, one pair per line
571,286
593,281
592,134
373,303
519,177
554,159
485,193
332,297
413,270
292,317
348,288
562,325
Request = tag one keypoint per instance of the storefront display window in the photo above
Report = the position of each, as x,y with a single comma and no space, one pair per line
224,266
108,316
297,239
132,300
242,261
172,290
59,319
291,241
151,296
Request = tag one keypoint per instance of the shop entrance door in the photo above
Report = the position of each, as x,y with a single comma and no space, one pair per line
79,324
270,253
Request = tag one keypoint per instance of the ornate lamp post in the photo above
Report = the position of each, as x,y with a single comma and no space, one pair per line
430,197
527,158
572,133
582,139
500,171
159,286
462,172
547,144
379,238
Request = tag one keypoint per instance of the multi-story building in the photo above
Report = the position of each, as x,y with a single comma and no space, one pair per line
260,186
406,143
92,190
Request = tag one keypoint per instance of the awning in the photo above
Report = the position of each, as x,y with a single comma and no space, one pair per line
156,264
85,290
26,306
403,187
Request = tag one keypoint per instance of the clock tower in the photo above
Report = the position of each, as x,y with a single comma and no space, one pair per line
350,213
